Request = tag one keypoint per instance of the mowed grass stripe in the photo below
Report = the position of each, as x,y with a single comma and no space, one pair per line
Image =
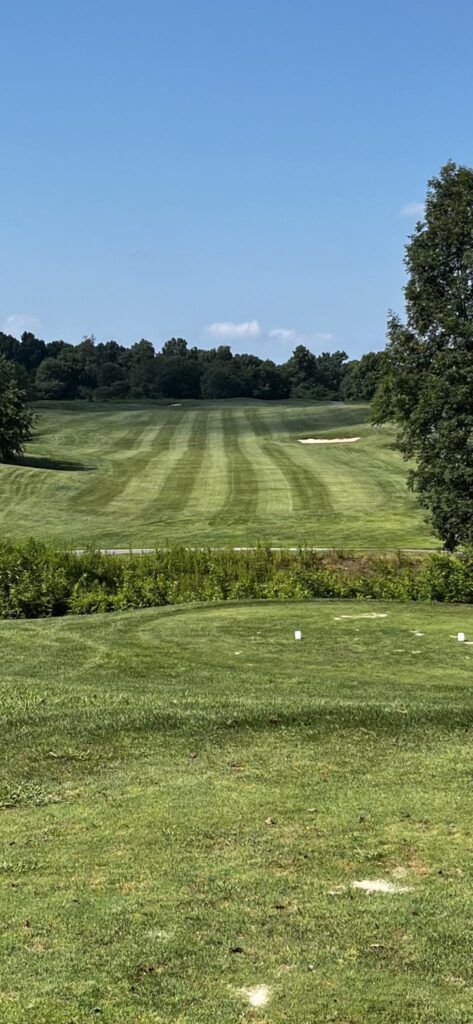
62,492
307,488
111,477
152,489
131,471
243,484
177,485
275,492
211,483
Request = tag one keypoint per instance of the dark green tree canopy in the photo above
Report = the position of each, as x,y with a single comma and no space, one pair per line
427,382
15,417
60,370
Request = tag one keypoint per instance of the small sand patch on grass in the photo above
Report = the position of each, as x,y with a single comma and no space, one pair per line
362,615
328,440
257,995
380,885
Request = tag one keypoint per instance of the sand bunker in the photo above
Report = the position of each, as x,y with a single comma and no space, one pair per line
362,615
328,440
380,885
257,995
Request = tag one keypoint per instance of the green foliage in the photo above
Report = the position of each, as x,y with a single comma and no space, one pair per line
427,386
16,418
312,376
362,377
37,580
57,370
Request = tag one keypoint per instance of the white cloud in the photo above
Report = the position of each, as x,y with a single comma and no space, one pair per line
286,338
226,329
19,322
412,210
289,334
282,333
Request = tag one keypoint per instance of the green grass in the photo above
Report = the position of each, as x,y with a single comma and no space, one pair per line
210,473
184,789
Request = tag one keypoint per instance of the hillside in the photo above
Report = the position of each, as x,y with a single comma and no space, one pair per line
210,473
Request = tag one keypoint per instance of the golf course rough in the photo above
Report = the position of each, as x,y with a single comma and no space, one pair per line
210,473
238,826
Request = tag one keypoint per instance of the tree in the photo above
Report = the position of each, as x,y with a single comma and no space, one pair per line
362,376
31,351
9,346
220,380
330,368
16,418
55,379
427,382
175,347
111,382
178,377
142,351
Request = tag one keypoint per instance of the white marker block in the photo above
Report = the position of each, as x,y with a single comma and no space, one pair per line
297,634
461,637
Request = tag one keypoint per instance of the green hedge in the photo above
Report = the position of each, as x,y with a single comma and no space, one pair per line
37,580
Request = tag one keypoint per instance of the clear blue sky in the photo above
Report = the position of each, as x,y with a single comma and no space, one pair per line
167,167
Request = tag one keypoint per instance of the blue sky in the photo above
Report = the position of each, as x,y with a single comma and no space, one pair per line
226,171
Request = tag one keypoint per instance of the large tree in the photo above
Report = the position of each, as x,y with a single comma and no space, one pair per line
15,416
427,384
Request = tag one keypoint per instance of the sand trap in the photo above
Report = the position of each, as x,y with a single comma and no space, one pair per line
362,615
257,995
380,885
328,440
175,405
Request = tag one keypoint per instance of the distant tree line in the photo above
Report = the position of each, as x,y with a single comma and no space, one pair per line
107,370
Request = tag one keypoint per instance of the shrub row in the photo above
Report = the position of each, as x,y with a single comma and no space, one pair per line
37,580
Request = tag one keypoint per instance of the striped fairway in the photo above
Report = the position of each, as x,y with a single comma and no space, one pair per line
214,473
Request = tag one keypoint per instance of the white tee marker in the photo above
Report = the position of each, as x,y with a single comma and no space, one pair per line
297,634
461,637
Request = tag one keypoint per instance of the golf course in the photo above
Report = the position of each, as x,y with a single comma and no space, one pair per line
211,473
203,820
236,513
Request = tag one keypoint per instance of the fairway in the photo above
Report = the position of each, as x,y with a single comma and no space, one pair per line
181,822
210,473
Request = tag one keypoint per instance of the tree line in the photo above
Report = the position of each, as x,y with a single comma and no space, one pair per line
109,371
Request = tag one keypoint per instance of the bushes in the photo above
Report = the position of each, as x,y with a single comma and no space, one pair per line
37,580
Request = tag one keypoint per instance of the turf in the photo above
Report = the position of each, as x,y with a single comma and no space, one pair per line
210,473
188,794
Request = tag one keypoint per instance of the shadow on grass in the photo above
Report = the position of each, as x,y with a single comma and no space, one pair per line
61,465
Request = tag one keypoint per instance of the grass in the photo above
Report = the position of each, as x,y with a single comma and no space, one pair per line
210,473
188,794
